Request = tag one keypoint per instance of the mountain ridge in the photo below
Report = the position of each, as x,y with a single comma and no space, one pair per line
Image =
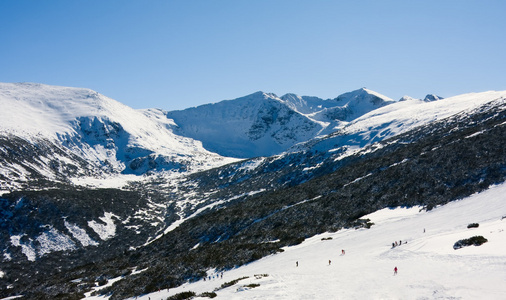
267,124
111,138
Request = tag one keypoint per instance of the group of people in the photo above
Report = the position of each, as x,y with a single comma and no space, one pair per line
216,276
395,244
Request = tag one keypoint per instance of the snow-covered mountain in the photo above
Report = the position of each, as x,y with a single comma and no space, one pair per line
336,161
255,125
263,124
75,123
396,118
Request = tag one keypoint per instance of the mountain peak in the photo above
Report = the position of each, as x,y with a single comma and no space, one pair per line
432,97
363,93
406,98
261,94
362,100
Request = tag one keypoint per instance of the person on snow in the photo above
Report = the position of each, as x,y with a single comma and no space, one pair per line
329,262
395,271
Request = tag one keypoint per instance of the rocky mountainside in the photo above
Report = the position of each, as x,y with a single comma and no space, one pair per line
263,124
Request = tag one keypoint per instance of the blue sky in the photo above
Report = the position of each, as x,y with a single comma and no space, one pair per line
178,54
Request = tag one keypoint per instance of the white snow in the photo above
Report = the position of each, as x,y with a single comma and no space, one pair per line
47,242
107,230
80,234
110,181
429,267
7,256
53,240
251,165
27,250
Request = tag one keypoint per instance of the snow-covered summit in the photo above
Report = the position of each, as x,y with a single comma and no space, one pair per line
98,129
406,98
36,109
432,97
259,124
262,124
428,98
363,95
352,105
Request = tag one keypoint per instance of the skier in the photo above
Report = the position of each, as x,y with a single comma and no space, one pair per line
342,252
395,271
297,263
329,262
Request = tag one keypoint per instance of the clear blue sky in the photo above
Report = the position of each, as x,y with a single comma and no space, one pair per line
178,54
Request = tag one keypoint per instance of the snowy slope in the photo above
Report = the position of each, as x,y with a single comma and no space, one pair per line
99,129
428,266
263,124
399,117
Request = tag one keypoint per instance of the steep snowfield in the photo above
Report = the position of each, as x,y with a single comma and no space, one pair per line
35,109
99,129
428,266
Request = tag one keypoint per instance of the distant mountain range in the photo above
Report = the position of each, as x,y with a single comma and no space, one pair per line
263,124
73,133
